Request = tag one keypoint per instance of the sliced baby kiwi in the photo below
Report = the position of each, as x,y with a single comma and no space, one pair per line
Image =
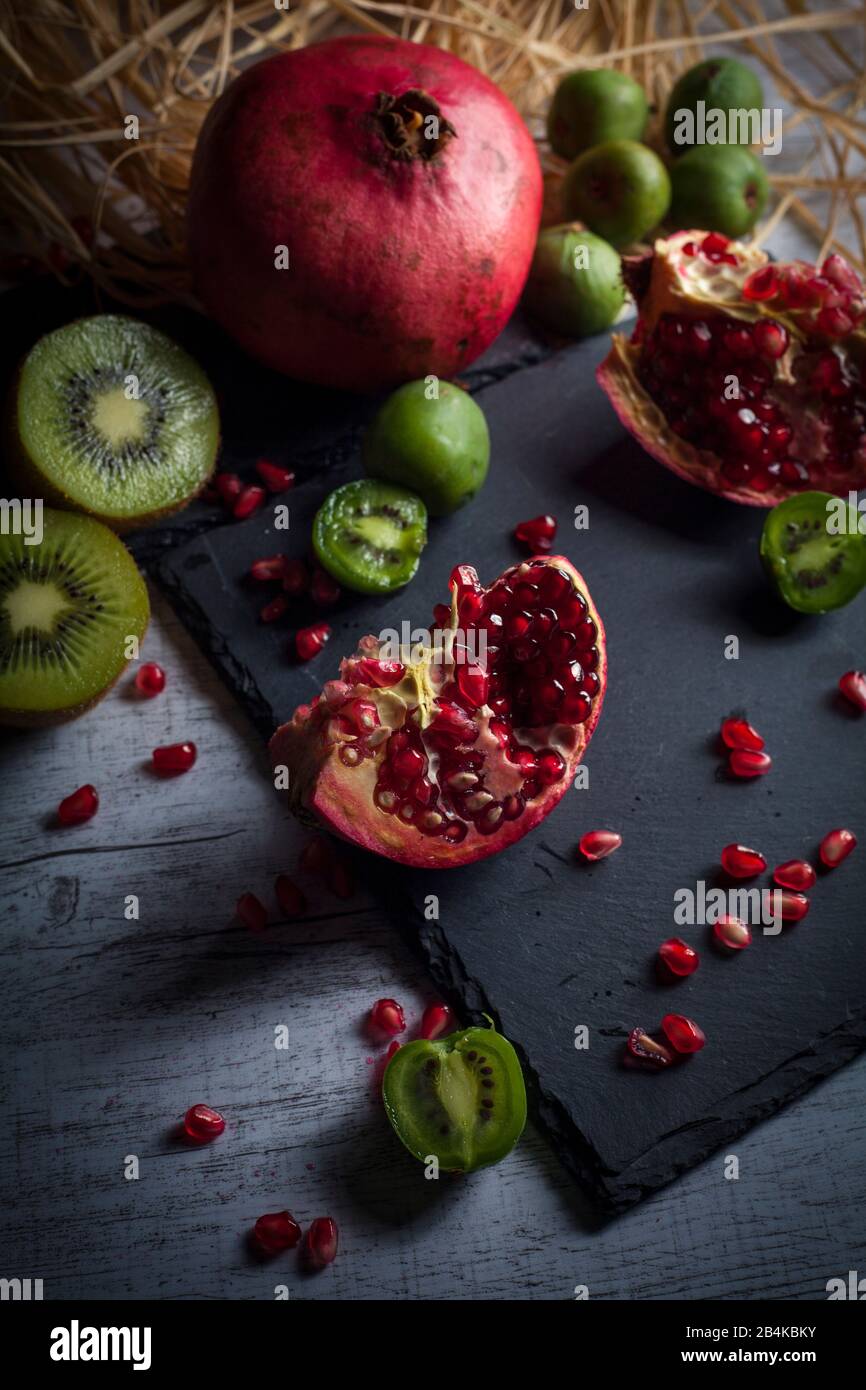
68,607
813,551
370,535
112,418
460,1098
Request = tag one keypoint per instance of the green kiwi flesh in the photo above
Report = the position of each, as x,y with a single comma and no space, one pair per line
112,418
68,607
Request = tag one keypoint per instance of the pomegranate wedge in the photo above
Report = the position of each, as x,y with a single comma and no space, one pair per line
451,750
743,377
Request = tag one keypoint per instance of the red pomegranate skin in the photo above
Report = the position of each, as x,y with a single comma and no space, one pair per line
399,267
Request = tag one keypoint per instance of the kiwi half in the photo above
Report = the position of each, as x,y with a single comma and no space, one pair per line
67,609
112,418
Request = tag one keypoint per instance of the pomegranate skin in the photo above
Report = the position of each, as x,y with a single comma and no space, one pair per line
398,266
677,281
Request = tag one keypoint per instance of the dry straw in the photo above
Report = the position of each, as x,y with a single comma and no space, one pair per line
75,188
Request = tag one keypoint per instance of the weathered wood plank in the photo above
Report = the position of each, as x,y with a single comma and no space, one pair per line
111,1028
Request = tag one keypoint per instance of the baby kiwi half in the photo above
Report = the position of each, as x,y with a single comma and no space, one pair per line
68,608
112,418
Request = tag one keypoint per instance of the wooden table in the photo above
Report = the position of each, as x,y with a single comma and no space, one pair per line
113,1027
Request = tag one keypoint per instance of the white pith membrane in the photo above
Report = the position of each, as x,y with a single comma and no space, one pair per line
695,288
414,769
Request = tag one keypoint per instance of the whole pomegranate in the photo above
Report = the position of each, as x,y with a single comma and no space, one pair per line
363,212
744,376
457,747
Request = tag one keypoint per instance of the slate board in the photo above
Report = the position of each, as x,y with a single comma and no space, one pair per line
532,937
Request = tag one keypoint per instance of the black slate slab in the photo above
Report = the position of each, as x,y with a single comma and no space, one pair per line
540,941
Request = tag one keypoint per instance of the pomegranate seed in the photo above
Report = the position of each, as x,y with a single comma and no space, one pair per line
744,763
320,1243
733,933
392,1048
738,733
386,1016
714,243
641,1046
680,958
770,339
229,487
853,687
203,1124
275,609
836,846
435,1020
834,322
471,609
79,806
761,284
252,912
295,578
274,478
740,862
408,762
796,874
598,844
316,857
362,714
465,579
249,501
277,1231
379,673
442,615
290,898
309,641
837,270
472,683
791,907
551,768
683,1033
267,570
174,758
324,590
536,535
689,248
150,679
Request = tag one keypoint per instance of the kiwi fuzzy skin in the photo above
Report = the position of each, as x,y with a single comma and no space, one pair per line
25,475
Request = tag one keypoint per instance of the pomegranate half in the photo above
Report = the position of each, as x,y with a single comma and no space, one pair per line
744,376
453,749
363,212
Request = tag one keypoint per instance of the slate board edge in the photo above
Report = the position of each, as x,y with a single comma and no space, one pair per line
243,688
616,1192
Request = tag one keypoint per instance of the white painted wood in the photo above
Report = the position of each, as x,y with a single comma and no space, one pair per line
111,1028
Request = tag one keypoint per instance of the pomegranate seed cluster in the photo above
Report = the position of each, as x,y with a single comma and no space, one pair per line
541,669
687,363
